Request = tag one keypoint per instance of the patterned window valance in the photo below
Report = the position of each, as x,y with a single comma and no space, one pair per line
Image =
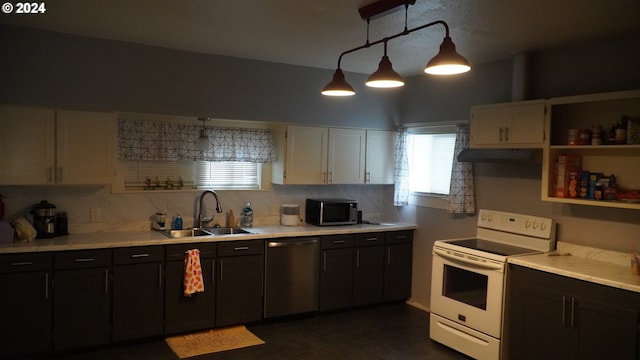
149,140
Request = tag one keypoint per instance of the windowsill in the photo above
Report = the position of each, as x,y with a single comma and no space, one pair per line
429,200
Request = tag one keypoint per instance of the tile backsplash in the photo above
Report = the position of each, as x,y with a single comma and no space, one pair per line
95,208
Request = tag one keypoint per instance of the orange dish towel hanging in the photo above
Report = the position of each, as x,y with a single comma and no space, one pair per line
193,282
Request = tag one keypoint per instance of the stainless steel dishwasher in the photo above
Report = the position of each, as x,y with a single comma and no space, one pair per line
291,276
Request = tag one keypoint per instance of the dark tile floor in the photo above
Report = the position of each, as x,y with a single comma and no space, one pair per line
392,331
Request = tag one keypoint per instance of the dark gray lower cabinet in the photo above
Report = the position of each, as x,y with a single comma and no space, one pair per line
25,304
197,311
398,265
240,282
336,272
554,317
368,273
138,292
82,299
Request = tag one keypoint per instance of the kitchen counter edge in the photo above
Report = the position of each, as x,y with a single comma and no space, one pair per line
106,240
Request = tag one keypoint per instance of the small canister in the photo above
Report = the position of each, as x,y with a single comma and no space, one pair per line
573,137
584,137
596,135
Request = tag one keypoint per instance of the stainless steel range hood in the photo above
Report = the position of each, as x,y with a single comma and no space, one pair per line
500,155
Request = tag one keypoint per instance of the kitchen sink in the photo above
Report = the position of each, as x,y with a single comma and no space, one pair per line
186,233
227,231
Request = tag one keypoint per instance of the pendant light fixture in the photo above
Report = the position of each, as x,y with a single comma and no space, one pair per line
446,62
203,140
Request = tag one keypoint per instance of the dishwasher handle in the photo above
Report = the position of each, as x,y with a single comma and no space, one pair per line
277,244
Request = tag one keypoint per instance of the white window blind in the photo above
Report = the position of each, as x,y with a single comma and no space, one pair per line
430,161
166,175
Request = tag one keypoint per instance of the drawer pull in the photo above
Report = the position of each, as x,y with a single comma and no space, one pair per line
46,285
139,255
338,241
240,248
401,237
24,263
372,239
84,260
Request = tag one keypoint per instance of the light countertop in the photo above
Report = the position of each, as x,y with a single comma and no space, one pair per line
584,263
104,240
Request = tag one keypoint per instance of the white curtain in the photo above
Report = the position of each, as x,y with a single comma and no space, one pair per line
462,197
401,190
149,140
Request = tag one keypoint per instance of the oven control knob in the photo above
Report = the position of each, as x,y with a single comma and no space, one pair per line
490,218
543,226
527,224
535,225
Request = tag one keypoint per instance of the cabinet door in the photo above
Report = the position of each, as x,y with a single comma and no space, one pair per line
346,156
604,331
239,289
86,144
25,310
368,275
306,155
336,279
526,126
189,313
81,308
380,157
138,299
397,271
27,146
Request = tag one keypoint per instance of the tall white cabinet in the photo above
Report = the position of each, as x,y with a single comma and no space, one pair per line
380,157
44,146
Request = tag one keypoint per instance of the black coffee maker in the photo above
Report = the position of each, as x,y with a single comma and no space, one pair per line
44,219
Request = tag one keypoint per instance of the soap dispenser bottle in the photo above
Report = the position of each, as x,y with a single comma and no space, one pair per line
177,223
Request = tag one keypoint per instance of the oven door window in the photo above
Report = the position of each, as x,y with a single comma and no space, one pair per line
465,286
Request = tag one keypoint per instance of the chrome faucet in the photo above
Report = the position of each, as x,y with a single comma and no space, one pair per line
201,219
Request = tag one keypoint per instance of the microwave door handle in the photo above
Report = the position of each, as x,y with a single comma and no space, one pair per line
464,260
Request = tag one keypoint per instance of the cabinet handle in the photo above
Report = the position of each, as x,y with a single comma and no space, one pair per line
139,255
388,255
564,310
372,239
506,134
159,276
46,285
84,260
59,179
399,237
500,140
324,261
573,311
50,175
330,179
221,268
338,241
357,258
106,281
213,271
241,248
368,177
24,263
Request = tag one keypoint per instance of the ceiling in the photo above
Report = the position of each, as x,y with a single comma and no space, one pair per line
314,33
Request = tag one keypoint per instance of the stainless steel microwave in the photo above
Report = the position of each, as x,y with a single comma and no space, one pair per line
331,212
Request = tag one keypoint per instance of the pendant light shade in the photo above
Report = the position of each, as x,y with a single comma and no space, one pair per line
448,61
338,86
385,76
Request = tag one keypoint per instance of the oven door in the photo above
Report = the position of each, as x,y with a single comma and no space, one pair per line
468,290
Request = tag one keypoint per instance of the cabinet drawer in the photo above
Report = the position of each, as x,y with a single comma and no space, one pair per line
25,262
138,255
82,259
177,252
336,241
370,239
399,237
236,248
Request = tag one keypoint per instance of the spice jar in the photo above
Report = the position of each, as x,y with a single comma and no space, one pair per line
584,137
596,135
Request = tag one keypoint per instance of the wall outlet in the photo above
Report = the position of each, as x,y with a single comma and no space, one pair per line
96,215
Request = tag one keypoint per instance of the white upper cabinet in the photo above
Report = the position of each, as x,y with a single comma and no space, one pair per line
27,145
43,146
346,156
380,157
85,148
508,125
306,155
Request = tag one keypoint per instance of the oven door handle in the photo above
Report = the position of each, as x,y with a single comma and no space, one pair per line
465,260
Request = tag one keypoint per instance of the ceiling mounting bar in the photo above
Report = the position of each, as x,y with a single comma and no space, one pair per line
382,7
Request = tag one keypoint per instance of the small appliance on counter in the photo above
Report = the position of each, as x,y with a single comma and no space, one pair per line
324,212
44,219
290,214
158,221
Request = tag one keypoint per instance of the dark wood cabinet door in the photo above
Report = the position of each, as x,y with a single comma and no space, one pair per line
397,271
25,310
81,308
336,279
604,331
368,275
138,299
189,313
239,289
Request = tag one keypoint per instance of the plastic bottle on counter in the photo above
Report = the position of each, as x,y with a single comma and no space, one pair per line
177,223
246,219
231,219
